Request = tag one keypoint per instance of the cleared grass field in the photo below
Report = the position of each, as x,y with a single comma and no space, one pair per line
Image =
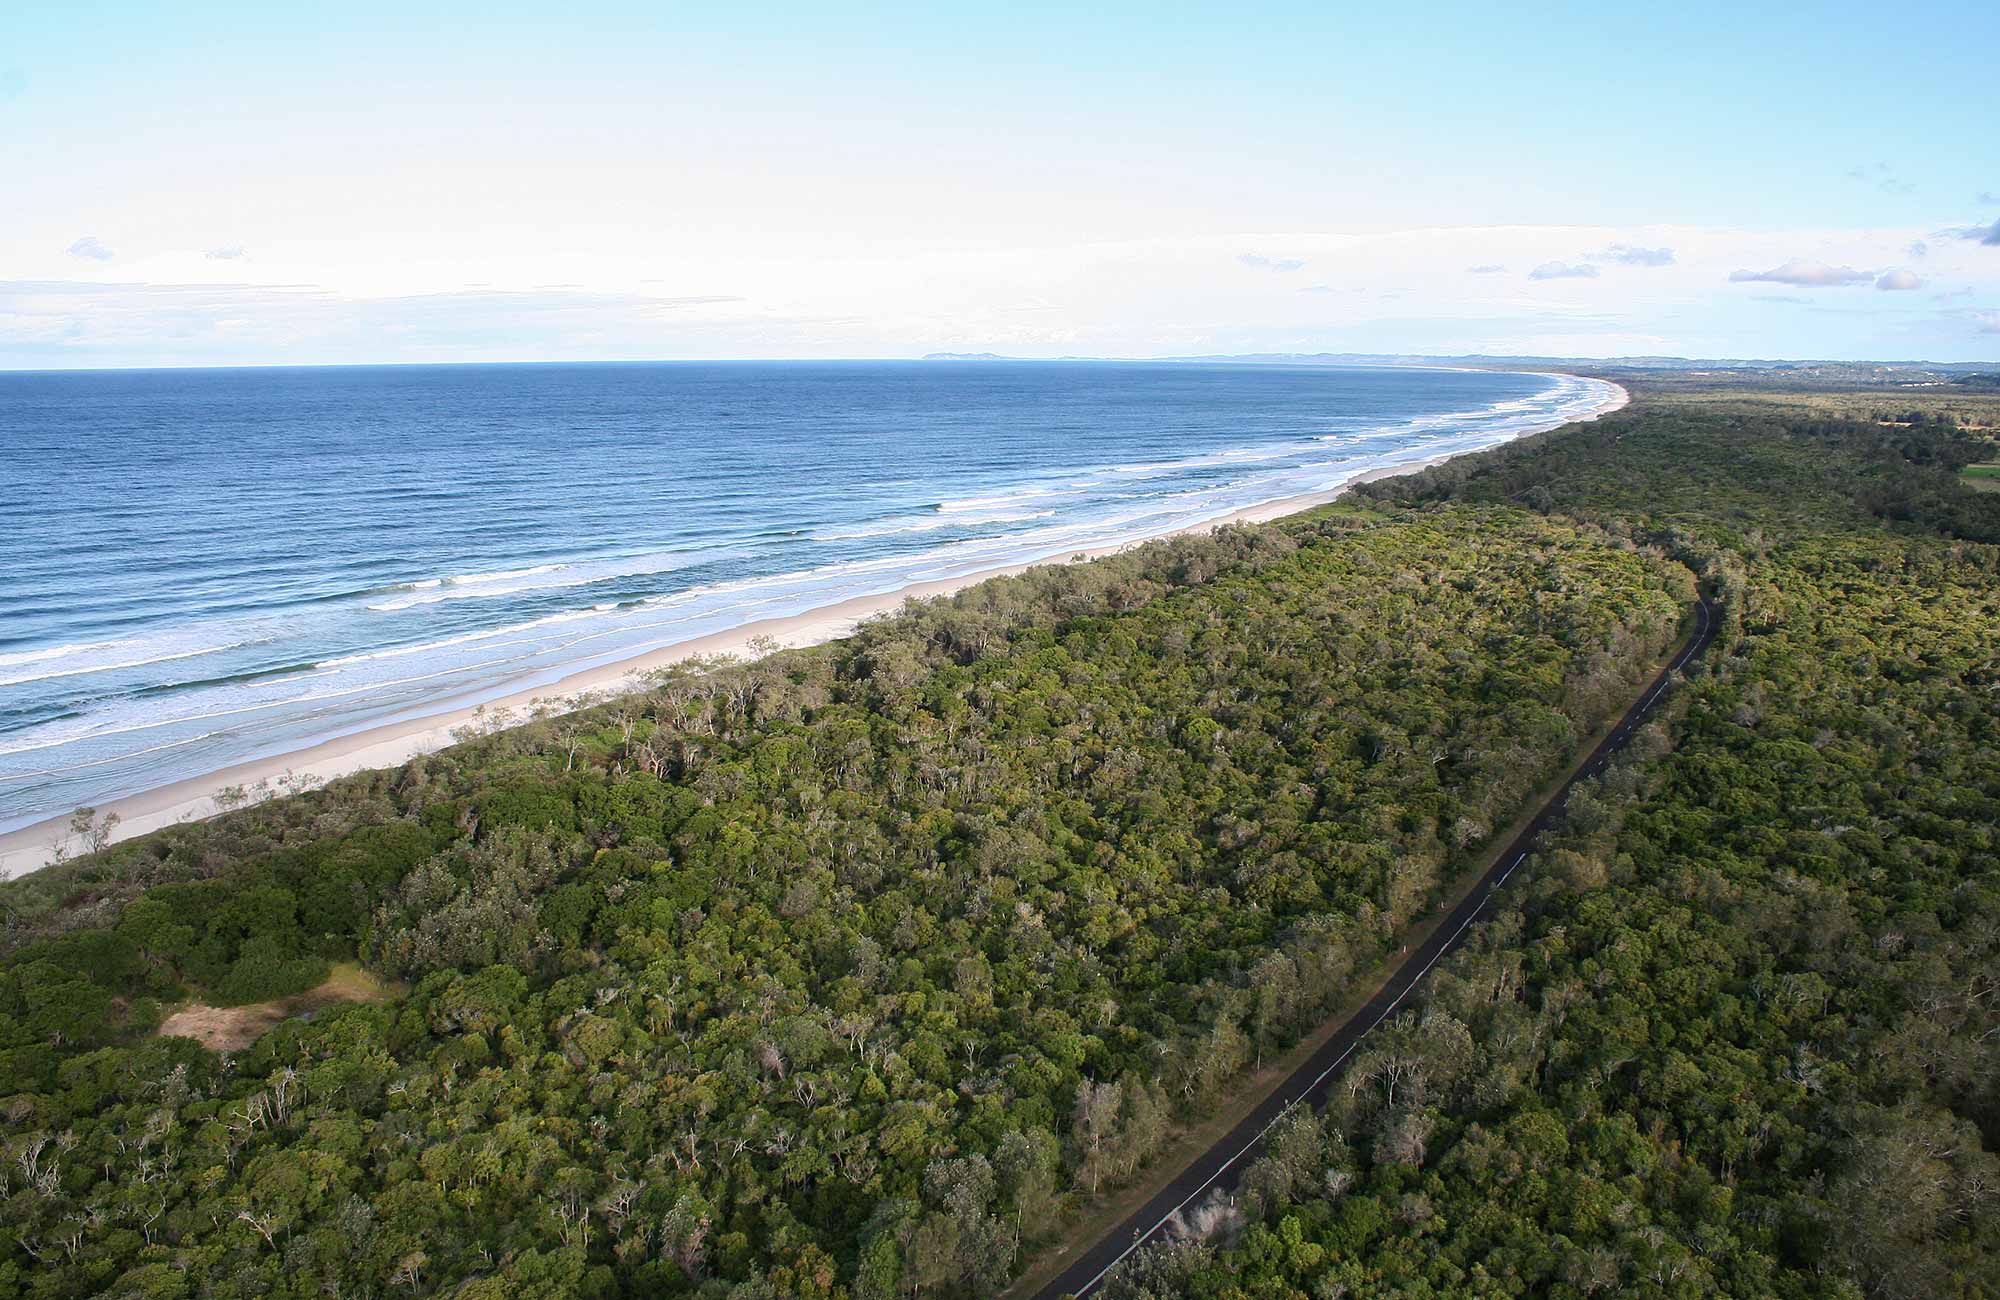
231,1029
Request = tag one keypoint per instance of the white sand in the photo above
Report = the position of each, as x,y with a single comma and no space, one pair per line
393,744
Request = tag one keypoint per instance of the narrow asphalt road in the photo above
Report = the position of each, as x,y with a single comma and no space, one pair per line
1223,1164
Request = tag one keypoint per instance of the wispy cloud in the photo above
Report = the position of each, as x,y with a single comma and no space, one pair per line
1804,273
1988,196
1488,268
1317,288
232,253
1632,255
1899,279
1259,262
1778,297
1987,321
1882,176
90,246
1988,235
1918,249
1563,271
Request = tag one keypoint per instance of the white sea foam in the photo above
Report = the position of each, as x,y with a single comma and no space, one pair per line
122,756
1537,406
926,524
540,577
1233,456
502,575
889,528
425,647
54,651
474,593
100,657
998,499
78,670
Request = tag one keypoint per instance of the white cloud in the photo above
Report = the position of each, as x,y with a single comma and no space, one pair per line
1420,289
1632,255
1280,265
232,253
92,247
1899,279
1563,271
1805,273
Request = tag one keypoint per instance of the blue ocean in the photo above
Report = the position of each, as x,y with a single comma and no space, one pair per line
200,568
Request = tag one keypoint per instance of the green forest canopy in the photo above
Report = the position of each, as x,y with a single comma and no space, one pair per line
1738,1038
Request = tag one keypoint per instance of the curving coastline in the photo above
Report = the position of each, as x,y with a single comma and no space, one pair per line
389,744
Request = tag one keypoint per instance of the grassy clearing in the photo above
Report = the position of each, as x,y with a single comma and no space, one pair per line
231,1029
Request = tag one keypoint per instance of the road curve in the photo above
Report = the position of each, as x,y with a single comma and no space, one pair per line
1223,1163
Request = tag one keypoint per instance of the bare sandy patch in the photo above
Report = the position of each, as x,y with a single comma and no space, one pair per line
231,1029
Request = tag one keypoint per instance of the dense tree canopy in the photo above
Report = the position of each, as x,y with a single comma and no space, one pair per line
1738,1034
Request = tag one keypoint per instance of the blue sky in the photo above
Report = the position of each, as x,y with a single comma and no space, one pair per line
225,184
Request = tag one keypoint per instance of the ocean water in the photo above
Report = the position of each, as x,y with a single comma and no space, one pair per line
199,568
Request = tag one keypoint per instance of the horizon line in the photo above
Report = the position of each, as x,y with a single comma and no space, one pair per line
1410,360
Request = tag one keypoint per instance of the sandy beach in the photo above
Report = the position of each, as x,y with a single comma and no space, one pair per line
390,745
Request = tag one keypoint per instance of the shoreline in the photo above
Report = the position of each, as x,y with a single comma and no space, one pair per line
31,847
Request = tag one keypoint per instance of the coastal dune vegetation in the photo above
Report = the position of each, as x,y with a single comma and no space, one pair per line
849,971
